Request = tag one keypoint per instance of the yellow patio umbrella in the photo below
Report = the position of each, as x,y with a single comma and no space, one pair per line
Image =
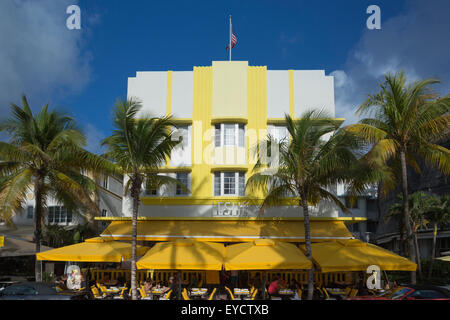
265,254
183,254
92,250
356,255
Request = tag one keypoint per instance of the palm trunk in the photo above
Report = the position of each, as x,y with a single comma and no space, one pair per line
433,252
304,205
135,191
419,263
38,225
406,216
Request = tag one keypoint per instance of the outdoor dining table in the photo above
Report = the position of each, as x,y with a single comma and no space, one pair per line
240,293
337,292
286,292
156,293
114,289
198,293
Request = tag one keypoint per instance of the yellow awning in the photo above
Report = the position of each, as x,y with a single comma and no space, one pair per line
183,255
356,255
228,230
265,254
92,250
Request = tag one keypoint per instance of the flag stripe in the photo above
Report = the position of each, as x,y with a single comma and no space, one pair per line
233,40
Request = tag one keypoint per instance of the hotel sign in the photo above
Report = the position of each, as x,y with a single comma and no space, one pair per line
229,209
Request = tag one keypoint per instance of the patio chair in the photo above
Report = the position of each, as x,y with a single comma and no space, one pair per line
121,295
166,296
185,295
211,296
325,292
230,293
347,291
96,293
353,293
104,290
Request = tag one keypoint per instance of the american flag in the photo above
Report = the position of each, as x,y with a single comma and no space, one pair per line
233,40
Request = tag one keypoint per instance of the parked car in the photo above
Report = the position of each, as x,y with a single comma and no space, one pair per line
36,291
412,292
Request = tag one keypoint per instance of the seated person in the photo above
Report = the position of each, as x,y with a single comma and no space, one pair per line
281,282
173,285
337,284
274,288
256,281
107,281
149,285
294,285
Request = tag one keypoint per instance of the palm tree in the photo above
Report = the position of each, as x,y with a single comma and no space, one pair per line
138,147
417,204
406,121
45,155
309,165
437,213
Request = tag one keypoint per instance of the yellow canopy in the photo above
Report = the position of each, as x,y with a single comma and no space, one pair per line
92,250
356,255
183,254
265,254
445,258
228,230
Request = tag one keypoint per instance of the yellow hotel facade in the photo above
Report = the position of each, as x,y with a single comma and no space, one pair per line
222,111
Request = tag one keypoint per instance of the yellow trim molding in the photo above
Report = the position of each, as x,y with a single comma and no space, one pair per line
229,120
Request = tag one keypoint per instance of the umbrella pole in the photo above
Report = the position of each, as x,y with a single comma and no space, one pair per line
387,279
179,285
87,279
264,287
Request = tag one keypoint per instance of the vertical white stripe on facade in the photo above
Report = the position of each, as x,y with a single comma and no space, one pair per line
277,93
151,89
182,94
313,90
181,155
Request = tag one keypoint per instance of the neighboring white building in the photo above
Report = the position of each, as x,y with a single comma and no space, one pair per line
109,201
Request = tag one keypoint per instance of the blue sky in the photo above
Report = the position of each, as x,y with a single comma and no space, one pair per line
85,71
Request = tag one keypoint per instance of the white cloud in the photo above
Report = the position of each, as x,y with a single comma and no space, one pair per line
39,56
415,41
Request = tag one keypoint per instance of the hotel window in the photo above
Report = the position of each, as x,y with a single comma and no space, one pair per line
151,192
351,204
105,182
278,132
30,212
58,214
229,183
229,134
183,177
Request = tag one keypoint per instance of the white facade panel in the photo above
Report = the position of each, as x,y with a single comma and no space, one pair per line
181,155
151,89
313,90
277,93
182,94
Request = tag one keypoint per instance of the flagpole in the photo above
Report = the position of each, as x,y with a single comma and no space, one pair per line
230,37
